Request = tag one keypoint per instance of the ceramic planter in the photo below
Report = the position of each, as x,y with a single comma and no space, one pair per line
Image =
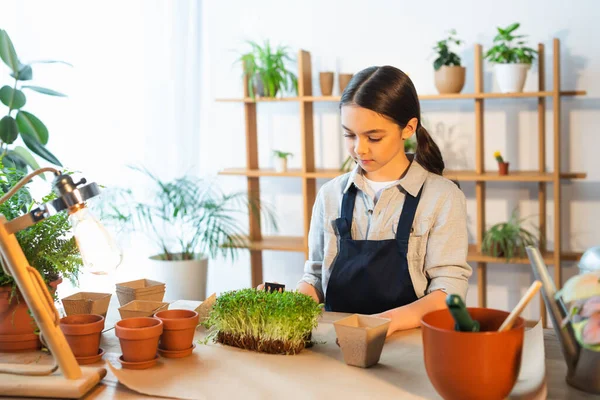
179,327
326,83
281,164
344,79
141,289
139,341
184,279
493,358
450,79
142,308
503,168
83,332
87,303
17,327
361,338
511,77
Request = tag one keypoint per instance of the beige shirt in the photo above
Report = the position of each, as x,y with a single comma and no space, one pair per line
438,244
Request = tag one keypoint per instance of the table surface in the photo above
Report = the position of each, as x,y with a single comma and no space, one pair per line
110,388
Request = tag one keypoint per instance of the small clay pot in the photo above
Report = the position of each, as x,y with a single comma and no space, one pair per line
503,168
344,79
326,83
179,327
139,338
361,338
83,332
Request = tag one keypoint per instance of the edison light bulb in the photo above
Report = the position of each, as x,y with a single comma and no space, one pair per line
99,252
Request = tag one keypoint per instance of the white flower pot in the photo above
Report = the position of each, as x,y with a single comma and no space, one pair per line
511,77
184,280
280,164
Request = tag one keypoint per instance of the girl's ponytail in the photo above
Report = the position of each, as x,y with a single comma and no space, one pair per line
428,153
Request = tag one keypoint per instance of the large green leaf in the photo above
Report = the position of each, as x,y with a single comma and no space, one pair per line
13,99
8,129
25,73
30,125
12,159
26,156
7,51
39,149
49,92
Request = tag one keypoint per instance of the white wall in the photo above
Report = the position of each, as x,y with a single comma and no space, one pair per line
347,36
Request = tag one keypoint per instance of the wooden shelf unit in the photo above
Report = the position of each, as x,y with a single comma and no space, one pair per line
308,173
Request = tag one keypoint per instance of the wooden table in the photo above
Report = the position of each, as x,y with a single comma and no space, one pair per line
112,389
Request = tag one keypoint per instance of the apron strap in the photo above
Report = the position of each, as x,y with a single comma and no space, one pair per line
407,217
344,224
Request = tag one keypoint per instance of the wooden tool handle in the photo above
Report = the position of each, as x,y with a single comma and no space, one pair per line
512,317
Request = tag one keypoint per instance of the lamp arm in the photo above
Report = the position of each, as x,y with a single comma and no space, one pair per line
26,179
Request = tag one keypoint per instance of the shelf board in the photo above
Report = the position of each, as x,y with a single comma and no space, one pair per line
421,97
476,256
278,243
515,176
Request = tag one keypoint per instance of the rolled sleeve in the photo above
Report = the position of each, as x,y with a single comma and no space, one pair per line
446,264
314,264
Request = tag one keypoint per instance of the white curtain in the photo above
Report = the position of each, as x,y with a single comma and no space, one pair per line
133,91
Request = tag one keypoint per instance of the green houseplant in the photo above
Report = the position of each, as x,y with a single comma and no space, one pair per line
188,220
266,70
18,122
48,247
449,74
512,58
282,160
269,322
508,239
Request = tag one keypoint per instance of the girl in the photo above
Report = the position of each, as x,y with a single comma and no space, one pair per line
390,237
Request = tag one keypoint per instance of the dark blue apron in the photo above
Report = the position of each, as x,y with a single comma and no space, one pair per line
371,276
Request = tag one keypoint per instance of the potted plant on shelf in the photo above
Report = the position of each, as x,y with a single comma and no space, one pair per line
512,59
265,68
269,322
281,160
449,74
502,165
508,239
188,220
48,247
32,130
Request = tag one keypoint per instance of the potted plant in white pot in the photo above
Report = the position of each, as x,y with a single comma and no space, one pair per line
281,160
267,72
449,74
189,220
512,59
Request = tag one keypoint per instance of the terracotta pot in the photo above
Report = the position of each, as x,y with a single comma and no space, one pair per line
450,79
503,168
344,79
326,83
139,338
87,303
17,327
474,365
179,328
83,333
361,338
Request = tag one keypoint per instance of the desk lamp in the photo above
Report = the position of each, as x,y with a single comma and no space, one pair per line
66,379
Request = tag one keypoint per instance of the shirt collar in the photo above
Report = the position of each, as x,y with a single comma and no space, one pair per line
412,181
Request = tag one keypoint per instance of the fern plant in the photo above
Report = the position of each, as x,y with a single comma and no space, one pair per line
508,239
47,245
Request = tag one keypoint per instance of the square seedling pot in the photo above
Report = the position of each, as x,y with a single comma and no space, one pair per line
142,308
361,338
141,289
87,303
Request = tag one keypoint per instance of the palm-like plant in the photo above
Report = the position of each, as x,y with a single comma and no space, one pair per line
185,216
508,239
265,68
